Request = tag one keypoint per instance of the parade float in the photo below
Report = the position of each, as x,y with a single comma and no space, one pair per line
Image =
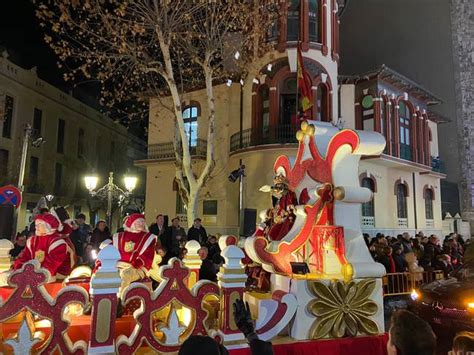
335,296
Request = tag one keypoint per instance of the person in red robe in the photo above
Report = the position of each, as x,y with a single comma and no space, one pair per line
47,246
136,246
65,229
282,215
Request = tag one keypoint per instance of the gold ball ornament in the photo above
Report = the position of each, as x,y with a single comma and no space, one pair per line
304,125
299,135
339,193
310,130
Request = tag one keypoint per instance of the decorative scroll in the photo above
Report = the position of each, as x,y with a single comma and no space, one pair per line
29,294
172,293
342,309
318,168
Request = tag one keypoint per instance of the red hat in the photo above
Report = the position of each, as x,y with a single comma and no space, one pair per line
132,218
49,219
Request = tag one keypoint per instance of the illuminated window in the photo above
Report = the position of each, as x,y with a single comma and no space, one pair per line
190,116
402,193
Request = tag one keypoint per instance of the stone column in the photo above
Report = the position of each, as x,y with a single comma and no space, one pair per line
232,280
463,58
193,262
105,285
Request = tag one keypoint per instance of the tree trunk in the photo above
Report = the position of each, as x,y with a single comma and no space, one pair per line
192,206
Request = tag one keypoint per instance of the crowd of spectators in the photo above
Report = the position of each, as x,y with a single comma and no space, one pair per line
405,253
172,243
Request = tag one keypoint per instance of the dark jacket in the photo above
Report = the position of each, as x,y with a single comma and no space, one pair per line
76,239
170,240
198,234
432,251
99,236
401,264
16,250
154,229
208,271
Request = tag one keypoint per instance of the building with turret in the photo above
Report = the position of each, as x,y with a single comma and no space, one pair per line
257,121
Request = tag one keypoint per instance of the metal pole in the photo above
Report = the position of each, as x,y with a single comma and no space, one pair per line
241,122
24,154
110,191
21,175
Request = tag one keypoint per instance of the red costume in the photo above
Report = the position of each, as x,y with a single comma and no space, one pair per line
47,245
282,215
137,249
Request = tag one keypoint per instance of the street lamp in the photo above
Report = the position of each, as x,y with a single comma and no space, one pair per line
110,190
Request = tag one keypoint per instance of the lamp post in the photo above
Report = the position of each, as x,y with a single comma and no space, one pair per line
110,190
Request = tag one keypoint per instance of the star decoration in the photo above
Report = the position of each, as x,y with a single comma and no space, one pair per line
25,340
173,330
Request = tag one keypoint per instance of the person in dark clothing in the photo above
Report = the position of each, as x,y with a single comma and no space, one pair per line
199,344
84,228
165,257
174,238
431,253
244,322
386,259
20,244
100,233
159,227
409,334
197,232
405,241
208,269
401,264
214,251
76,239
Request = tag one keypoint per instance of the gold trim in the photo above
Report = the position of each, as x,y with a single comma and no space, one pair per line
231,271
102,330
232,281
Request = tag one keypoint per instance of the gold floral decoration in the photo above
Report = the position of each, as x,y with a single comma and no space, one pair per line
342,309
306,130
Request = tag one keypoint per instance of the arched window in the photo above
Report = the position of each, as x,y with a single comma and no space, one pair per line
190,117
322,103
313,20
402,193
368,122
428,196
288,116
265,110
293,21
405,128
368,207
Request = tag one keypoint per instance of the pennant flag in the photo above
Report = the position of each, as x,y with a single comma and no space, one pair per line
304,83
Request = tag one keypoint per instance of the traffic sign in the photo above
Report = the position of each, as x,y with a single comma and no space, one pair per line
10,195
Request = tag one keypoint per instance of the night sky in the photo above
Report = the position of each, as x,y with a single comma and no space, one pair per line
21,34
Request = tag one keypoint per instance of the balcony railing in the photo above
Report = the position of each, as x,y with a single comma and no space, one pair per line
165,151
368,222
437,165
403,222
282,134
405,152
430,223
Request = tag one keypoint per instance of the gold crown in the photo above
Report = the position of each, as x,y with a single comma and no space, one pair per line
280,179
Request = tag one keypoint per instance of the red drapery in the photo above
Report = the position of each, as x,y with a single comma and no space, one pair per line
376,345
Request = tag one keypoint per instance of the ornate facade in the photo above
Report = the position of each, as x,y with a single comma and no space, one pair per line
257,122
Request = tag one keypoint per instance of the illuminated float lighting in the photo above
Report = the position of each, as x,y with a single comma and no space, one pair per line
414,295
